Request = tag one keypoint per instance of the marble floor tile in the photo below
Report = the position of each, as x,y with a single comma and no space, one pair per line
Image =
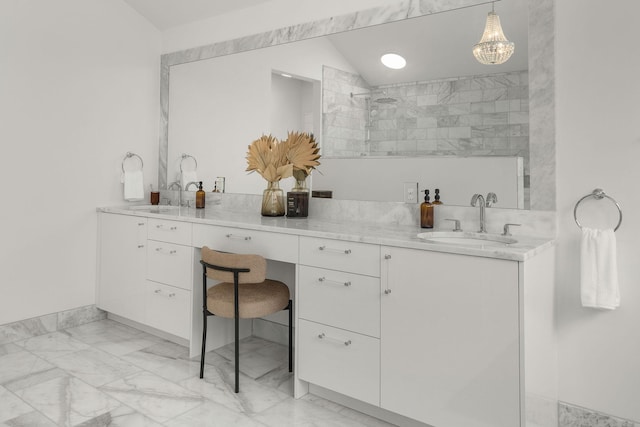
301,413
50,346
68,401
21,364
153,396
11,406
108,374
30,419
213,415
95,367
113,337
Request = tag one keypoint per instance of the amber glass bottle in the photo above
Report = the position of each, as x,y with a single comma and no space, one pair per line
426,212
200,196
436,197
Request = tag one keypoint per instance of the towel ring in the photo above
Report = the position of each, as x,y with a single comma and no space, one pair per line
598,194
188,156
130,155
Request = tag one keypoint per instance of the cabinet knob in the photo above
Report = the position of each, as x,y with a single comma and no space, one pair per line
387,256
387,291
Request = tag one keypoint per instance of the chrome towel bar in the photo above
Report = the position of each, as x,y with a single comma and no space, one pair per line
598,194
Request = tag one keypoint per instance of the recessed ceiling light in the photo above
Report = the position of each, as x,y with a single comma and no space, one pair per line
393,60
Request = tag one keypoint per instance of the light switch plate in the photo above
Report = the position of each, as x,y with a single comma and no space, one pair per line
410,192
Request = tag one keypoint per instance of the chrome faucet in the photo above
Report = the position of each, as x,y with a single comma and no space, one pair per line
177,184
477,199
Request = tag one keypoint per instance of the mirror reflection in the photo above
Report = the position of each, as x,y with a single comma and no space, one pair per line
442,105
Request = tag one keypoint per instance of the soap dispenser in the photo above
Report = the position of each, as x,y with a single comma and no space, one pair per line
426,212
436,198
200,197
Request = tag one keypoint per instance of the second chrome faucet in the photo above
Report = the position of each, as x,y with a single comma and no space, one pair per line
478,199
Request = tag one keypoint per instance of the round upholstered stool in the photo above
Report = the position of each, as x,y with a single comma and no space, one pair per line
256,299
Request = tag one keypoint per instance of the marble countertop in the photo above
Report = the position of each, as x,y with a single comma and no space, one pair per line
349,230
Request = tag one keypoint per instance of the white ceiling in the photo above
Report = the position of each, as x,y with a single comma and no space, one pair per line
435,46
165,14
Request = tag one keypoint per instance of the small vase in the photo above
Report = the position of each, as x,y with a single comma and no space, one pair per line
301,186
273,200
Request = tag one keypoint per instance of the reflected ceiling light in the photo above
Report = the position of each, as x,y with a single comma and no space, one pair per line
393,60
286,75
493,48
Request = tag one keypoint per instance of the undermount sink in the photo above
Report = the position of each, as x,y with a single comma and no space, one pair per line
467,238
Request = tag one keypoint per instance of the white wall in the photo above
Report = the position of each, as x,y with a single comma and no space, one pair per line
598,145
79,81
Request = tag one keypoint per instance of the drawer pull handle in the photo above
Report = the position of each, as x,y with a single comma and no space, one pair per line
342,251
387,291
322,336
140,246
162,227
239,237
141,223
324,279
162,251
159,292
387,256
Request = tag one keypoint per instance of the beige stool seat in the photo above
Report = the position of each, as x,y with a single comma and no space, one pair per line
258,299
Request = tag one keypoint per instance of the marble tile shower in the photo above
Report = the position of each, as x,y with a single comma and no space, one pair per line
466,116
106,373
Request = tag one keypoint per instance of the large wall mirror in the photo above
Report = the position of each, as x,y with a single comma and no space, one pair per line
442,106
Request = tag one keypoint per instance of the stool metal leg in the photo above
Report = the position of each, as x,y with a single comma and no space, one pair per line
237,333
290,336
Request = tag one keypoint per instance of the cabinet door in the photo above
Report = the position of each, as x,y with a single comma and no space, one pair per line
450,351
122,264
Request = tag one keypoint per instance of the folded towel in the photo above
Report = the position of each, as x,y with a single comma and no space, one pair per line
187,177
133,186
599,269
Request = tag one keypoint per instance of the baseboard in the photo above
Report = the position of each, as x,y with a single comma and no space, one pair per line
48,323
575,416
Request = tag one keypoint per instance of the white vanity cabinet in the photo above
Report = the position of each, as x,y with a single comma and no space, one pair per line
169,277
122,263
339,317
450,338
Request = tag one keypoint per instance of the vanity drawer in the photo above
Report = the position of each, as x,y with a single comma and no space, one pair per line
344,300
169,231
274,246
339,360
168,308
354,257
169,264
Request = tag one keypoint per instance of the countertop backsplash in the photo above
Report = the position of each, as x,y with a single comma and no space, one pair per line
533,223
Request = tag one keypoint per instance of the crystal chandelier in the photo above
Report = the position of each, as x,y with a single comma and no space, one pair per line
493,48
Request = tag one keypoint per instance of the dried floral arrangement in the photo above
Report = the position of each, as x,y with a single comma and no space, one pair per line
296,156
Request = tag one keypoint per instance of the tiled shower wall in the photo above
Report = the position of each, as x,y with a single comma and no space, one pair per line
484,115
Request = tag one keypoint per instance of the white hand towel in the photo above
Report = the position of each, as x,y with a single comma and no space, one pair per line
599,269
133,186
187,177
